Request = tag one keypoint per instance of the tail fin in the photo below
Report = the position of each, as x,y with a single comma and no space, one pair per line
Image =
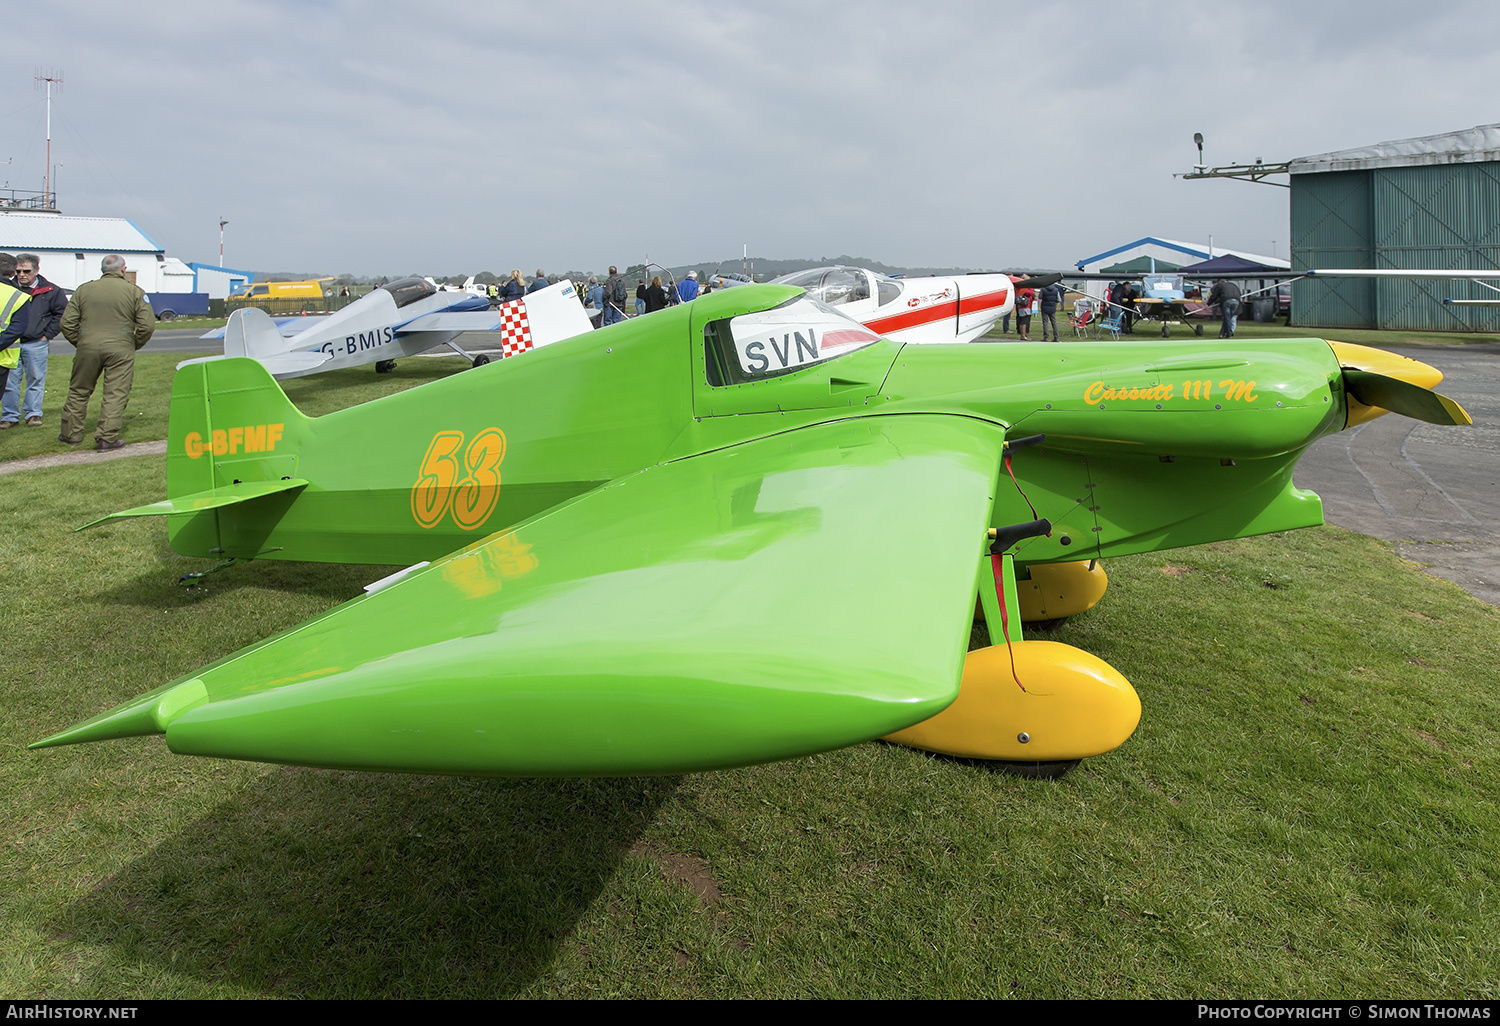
232,431
251,332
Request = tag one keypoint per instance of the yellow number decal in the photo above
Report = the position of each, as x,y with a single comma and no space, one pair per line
469,489
433,492
475,497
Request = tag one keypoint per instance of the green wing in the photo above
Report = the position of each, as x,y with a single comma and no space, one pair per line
784,596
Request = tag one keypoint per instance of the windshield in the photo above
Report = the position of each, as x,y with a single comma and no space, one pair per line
833,285
408,290
797,334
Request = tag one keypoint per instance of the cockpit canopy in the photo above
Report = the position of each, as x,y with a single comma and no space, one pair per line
839,285
408,290
796,335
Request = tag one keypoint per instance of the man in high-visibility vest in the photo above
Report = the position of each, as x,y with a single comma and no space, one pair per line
12,322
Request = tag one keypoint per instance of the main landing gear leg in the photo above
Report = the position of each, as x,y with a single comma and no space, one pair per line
1034,708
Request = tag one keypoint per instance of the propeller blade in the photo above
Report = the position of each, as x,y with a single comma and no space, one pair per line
1038,281
1403,397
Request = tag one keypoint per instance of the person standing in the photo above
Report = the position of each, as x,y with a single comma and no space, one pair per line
656,296
1025,304
514,287
614,297
1048,299
640,297
46,309
107,321
1227,295
13,317
687,288
539,282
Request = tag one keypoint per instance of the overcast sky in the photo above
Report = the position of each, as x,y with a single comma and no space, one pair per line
386,138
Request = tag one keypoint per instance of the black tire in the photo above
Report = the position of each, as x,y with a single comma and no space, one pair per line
167,315
1166,332
481,360
1198,330
384,366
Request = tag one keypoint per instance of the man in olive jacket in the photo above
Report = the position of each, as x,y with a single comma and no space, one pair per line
107,320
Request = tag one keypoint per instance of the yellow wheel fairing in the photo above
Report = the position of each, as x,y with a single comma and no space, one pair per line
1075,705
1056,590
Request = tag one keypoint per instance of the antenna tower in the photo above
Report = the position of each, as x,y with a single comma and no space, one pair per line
48,77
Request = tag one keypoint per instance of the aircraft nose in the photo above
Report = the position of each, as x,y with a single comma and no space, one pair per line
1377,382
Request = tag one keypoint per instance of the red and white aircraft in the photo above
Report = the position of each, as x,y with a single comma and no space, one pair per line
918,310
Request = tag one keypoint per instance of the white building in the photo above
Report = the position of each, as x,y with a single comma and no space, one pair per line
70,249
218,282
1168,255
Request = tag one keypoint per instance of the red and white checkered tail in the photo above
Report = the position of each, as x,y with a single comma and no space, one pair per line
515,328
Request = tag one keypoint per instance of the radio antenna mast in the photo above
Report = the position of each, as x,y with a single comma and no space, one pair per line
49,76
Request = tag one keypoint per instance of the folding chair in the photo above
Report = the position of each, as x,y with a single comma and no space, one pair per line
1083,319
1114,323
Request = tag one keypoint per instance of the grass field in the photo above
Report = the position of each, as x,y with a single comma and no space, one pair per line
1309,808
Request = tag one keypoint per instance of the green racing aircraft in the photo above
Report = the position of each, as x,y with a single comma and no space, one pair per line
742,529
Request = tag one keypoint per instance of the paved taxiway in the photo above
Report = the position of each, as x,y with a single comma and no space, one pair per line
1434,491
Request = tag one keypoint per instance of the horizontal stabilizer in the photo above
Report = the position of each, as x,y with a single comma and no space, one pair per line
282,365
214,498
1403,397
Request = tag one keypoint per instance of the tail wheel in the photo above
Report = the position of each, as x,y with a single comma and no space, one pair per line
385,366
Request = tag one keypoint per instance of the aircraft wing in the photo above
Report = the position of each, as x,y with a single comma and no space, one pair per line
453,320
784,596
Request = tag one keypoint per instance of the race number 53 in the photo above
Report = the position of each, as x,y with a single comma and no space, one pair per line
458,480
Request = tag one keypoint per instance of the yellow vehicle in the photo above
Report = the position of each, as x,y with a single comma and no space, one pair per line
268,291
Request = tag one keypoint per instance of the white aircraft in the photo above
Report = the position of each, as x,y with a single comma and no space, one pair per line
921,310
403,318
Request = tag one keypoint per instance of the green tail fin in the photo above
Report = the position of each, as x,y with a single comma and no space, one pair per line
231,426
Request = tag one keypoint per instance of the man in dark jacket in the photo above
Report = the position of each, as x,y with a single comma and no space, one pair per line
1048,298
614,297
1227,295
44,317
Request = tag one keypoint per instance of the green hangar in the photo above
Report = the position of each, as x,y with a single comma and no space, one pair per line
1430,202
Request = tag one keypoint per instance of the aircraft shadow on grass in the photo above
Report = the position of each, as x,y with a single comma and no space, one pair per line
360,885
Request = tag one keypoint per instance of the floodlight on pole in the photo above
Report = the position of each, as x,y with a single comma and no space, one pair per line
222,223
1198,139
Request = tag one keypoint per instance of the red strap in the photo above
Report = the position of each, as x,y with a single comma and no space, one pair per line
997,566
1012,473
